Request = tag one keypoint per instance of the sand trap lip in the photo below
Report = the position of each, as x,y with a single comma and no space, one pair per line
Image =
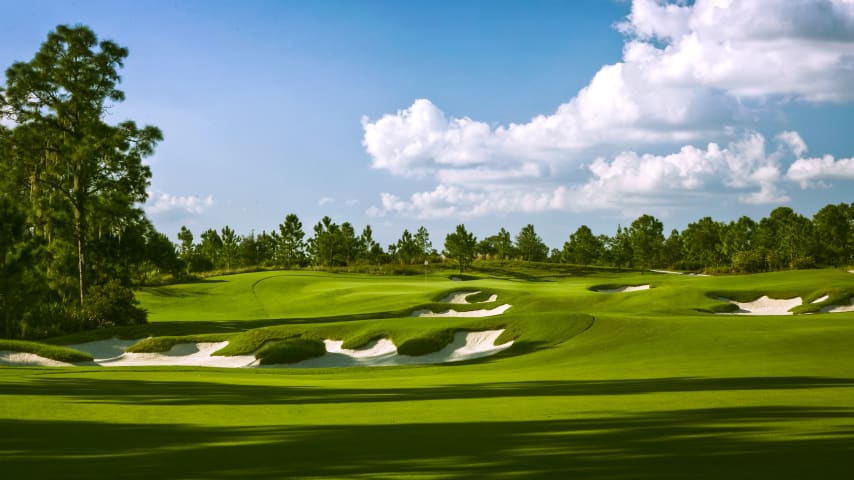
465,346
23,359
765,306
460,298
105,349
821,299
671,272
840,308
470,314
630,288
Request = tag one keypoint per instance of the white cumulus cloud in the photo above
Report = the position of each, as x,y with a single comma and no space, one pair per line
810,172
690,74
161,203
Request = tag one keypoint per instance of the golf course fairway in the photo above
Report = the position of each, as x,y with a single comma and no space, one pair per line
650,383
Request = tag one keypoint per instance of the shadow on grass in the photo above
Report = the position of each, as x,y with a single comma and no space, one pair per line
142,392
735,442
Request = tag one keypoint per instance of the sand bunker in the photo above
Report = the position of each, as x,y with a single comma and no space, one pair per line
624,289
104,349
453,313
840,308
821,299
765,306
459,298
465,346
111,353
22,359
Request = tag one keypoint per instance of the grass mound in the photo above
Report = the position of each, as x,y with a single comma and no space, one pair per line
164,344
423,345
291,350
53,352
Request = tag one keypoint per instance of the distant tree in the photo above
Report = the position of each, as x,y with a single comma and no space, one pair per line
369,249
834,229
530,245
185,236
407,249
422,240
583,248
348,244
230,244
503,245
160,251
291,243
460,246
324,246
787,239
646,235
701,244
671,254
211,247
620,248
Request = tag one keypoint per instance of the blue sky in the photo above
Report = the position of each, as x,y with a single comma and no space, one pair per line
490,113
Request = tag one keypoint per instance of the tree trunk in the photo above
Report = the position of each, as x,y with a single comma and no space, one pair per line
81,264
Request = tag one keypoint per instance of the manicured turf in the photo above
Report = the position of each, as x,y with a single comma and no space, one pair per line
652,388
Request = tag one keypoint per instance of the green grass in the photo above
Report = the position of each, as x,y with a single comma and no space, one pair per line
623,385
52,352
291,350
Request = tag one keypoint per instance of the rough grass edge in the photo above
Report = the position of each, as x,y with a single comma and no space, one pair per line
53,352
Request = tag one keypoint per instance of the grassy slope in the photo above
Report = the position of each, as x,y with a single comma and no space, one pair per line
653,389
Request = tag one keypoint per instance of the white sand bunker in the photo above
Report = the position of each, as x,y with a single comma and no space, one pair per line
840,308
470,314
634,288
183,354
465,346
22,359
104,349
765,306
821,299
459,298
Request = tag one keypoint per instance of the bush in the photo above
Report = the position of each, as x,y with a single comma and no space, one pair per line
110,305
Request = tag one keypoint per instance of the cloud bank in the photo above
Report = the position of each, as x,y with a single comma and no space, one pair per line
689,77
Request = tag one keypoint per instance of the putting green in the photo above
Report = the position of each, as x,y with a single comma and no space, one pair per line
657,386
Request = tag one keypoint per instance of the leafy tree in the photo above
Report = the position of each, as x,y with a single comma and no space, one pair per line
291,241
583,248
460,246
620,248
530,245
646,235
833,229
79,168
503,245
407,249
671,254
701,243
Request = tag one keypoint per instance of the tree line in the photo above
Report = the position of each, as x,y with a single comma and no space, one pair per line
783,240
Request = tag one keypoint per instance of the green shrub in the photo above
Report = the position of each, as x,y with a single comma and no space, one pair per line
110,305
